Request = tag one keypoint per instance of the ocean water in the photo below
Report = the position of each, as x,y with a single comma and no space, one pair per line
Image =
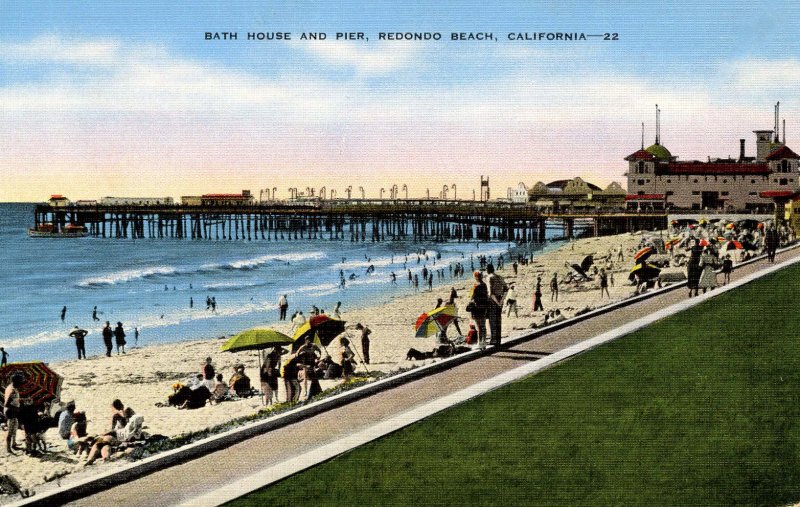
148,283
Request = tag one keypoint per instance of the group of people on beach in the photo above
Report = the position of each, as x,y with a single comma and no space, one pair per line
111,336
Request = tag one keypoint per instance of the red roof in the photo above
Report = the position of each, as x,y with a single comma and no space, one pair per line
644,197
782,153
640,155
771,194
712,168
56,196
225,196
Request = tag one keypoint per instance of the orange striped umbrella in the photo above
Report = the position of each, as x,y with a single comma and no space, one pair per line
40,384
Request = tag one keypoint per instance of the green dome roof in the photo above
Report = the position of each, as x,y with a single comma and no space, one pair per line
660,152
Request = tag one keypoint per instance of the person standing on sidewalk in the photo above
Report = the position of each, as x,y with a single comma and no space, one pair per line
497,292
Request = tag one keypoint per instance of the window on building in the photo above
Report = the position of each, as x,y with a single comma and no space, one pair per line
753,182
695,206
669,181
640,169
724,181
724,193
784,166
640,182
695,192
753,193
670,192
696,181
640,192
784,181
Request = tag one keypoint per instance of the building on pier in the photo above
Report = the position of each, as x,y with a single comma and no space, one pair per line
576,194
655,175
136,201
243,199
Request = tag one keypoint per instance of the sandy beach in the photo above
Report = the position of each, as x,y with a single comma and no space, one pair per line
143,377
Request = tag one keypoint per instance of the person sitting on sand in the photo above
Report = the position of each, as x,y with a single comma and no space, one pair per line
197,398
207,369
77,431
240,383
117,414
220,392
65,420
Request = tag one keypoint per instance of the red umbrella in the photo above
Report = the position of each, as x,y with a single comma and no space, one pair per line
643,254
321,326
40,384
734,245
704,242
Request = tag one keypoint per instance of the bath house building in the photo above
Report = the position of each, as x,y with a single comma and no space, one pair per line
656,178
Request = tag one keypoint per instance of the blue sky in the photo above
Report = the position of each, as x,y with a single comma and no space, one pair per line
100,98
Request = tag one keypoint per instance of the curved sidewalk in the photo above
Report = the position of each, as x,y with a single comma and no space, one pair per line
200,477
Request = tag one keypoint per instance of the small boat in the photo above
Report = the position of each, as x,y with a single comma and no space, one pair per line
47,230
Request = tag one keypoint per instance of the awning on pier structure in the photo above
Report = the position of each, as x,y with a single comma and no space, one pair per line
643,202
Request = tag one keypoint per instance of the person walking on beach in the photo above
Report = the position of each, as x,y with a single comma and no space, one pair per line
191,302
283,305
365,332
119,335
537,296
108,335
94,314
79,335
553,288
4,359
511,301
214,304
136,337
298,320
63,313
478,306
604,283
208,303
337,310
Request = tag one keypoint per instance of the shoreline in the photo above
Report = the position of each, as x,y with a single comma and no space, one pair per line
144,375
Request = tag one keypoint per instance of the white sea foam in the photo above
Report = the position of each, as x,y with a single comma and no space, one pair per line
128,276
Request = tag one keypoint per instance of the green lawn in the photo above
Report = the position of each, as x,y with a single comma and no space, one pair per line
699,409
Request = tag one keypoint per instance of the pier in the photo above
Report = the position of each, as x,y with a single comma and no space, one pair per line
356,220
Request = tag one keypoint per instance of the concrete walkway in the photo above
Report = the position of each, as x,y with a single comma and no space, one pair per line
201,476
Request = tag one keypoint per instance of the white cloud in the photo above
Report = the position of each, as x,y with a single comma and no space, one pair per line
374,58
758,76
53,49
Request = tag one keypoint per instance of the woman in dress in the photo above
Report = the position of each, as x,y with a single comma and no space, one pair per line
708,277
693,269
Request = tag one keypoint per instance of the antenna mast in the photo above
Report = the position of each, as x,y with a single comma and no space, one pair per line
658,125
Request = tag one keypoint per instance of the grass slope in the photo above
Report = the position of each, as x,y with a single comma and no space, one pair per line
701,408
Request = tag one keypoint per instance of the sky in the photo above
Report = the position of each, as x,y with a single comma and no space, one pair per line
101,100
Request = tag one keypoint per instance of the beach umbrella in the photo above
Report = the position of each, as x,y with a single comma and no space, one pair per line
704,242
579,270
730,226
643,254
645,271
256,339
434,321
734,245
587,262
326,328
40,384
